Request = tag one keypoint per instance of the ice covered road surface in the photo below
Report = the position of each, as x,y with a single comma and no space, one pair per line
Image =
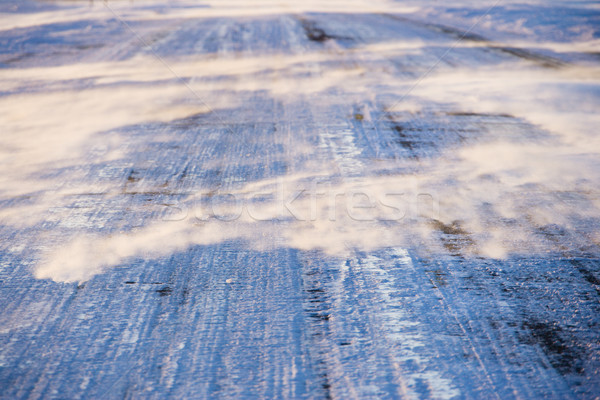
277,199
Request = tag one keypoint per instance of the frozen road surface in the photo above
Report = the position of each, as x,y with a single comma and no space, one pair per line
309,199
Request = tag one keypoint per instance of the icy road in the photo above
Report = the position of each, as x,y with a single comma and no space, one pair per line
299,199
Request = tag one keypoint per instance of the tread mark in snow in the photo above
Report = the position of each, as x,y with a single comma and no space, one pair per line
563,355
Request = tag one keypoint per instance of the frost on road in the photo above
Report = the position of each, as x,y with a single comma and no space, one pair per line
299,199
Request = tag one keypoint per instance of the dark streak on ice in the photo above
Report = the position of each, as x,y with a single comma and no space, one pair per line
403,140
564,356
317,34
317,311
544,61
455,239
473,114
459,35
587,274
165,291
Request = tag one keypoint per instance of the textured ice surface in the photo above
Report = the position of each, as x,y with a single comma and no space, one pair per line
347,199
